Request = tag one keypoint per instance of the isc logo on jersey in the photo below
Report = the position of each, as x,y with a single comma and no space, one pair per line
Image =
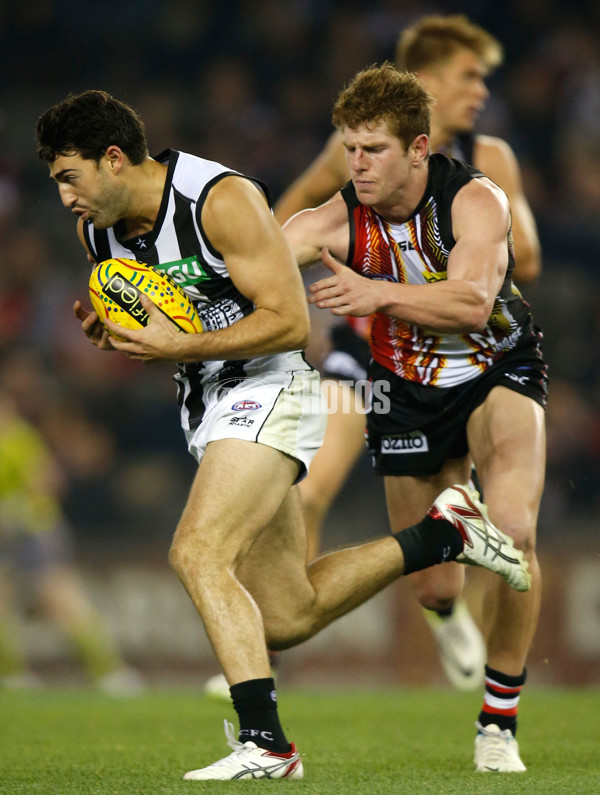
412,442
186,272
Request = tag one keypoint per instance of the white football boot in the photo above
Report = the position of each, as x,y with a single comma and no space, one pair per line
249,762
484,544
460,645
217,687
497,751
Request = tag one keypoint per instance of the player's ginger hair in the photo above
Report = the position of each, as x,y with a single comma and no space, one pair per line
435,38
382,93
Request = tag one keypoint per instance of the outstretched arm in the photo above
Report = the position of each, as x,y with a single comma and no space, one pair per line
460,304
498,162
310,231
345,292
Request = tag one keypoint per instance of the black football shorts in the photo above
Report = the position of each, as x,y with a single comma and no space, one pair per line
412,429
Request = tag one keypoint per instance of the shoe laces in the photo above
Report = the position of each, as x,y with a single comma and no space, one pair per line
506,734
233,742
239,749
500,743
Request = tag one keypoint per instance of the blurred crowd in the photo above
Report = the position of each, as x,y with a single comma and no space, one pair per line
251,84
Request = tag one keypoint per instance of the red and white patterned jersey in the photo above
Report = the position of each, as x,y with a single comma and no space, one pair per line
416,252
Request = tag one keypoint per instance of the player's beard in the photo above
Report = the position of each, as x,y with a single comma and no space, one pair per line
106,208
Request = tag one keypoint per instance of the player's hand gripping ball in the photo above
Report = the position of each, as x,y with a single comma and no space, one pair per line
117,284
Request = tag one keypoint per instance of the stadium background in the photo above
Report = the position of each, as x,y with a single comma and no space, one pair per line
251,84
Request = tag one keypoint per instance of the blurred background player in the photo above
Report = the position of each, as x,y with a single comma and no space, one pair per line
36,568
452,56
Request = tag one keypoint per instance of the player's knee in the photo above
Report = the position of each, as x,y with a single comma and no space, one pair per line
179,558
437,588
434,600
521,528
187,557
524,538
315,501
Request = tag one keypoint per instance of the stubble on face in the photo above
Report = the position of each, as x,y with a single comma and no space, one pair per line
88,190
106,203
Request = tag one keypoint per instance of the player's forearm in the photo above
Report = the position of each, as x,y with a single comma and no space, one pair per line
528,270
528,260
295,199
263,332
451,307
305,253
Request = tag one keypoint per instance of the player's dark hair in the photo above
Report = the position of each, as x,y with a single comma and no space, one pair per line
382,93
88,123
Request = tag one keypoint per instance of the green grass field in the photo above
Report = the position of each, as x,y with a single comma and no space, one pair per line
392,741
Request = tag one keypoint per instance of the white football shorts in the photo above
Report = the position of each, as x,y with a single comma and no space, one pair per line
283,410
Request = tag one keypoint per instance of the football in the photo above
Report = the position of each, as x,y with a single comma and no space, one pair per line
117,284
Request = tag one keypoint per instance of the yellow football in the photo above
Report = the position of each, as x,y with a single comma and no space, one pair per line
117,284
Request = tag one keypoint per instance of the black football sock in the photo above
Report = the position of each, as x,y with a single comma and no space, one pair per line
428,542
255,702
501,699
